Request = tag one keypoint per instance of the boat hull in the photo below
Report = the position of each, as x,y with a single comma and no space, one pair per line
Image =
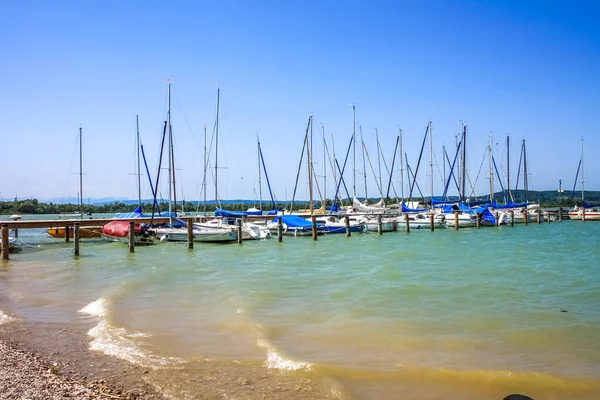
84,232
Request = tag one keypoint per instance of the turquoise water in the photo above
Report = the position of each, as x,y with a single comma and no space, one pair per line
478,313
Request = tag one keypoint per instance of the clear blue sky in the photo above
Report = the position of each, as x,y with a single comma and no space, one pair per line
528,69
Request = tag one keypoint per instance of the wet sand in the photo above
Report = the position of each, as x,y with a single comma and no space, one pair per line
53,361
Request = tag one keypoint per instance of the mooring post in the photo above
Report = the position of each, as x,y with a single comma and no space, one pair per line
131,236
347,222
539,215
279,230
455,220
314,227
496,215
431,224
526,217
406,222
76,239
478,220
66,234
190,233
5,243
512,218
239,230
582,214
379,227
560,214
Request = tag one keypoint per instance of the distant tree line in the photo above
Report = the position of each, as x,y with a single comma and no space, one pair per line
547,198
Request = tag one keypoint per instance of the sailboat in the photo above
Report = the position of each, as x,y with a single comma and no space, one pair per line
584,211
84,232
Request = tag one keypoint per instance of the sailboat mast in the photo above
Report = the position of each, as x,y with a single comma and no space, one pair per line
491,171
354,148
259,175
81,174
431,162
464,162
309,162
324,165
364,164
137,145
170,155
582,181
205,166
508,167
525,170
217,146
378,156
401,165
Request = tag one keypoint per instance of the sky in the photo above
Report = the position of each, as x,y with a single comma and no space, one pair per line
524,69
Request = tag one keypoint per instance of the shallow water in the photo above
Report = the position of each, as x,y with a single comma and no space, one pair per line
477,313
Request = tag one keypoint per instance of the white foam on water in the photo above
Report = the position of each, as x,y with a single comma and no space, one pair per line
278,361
118,342
5,319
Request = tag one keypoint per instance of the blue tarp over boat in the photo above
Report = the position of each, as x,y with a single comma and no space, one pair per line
219,212
588,205
411,210
295,221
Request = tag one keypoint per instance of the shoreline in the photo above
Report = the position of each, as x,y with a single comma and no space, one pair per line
40,360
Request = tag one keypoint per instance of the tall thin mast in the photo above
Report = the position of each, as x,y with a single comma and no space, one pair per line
491,171
582,181
324,165
170,155
309,162
81,174
464,163
378,157
431,160
354,148
401,165
508,167
364,164
525,170
137,145
205,166
217,146
259,175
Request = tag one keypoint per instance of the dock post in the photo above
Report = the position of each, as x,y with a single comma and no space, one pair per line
406,222
539,215
526,217
190,233
496,219
456,220
478,220
239,230
131,236
76,239
279,230
560,214
66,234
347,222
431,224
582,214
314,227
512,218
5,243
379,227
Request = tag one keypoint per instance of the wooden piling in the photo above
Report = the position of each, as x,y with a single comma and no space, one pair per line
456,220
131,236
496,215
539,215
560,218
5,243
314,227
190,233
76,239
526,217
347,222
379,227
66,234
478,220
431,223
512,218
239,230
279,230
407,222
582,214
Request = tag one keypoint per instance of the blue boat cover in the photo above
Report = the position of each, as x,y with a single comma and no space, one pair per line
219,212
294,221
588,205
409,210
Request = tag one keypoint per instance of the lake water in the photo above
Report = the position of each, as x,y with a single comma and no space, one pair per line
474,313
